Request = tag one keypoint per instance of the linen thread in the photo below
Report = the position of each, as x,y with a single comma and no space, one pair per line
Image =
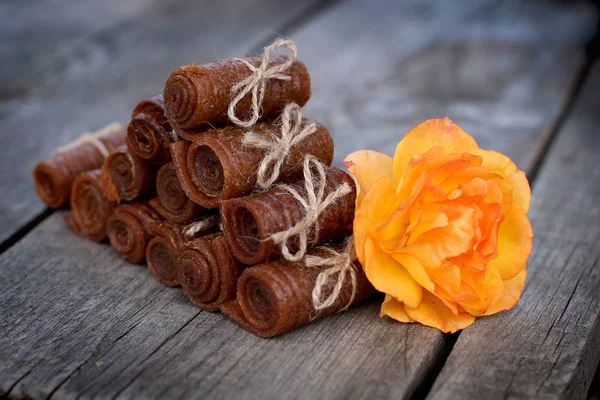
278,148
202,225
342,265
257,81
313,204
93,139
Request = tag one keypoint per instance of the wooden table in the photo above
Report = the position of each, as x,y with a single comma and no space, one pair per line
78,322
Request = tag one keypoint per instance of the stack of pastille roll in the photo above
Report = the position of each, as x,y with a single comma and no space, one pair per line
224,189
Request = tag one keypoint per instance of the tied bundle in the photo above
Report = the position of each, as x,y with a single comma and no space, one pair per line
246,230
224,189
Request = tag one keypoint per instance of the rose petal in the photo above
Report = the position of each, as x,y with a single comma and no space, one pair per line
433,312
394,309
513,288
416,270
456,237
389,276
431,218
433,132
368,166
400,220
488,291
447,276
500,164
377,205
463,176
514,243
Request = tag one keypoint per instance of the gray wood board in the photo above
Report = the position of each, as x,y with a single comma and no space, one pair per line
548,346
368,92
38,38
500,69
112,70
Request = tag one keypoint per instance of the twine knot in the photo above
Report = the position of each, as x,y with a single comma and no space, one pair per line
202,225
341,265
313,204
93,139
256,82
278,148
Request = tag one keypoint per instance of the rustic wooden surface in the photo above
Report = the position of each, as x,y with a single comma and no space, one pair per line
77,322
550,342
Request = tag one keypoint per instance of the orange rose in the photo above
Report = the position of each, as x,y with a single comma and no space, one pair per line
442,228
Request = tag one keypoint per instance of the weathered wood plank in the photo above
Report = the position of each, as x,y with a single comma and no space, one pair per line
71,301
500,69
114,69
53,31
368,92
548,346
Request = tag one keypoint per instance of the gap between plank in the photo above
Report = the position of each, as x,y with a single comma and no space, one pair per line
424,387
25,229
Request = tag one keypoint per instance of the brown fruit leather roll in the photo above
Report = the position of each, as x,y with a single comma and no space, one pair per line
163,249
218,166
126,176
54,177
72,224
91,208
208,273
276,297
248,222
148,133
192,133
128,232
200,94
172,203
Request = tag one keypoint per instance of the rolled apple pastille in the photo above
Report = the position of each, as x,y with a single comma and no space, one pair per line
256,226
128,232
208,273
91,208
277,297
163,249
126,176
172,203
202,94
54,177
149,132
219,165
192,133
166,244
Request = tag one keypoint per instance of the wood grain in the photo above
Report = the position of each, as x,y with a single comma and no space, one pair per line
548,346
70,302
54,31
78,322
112,70
500,69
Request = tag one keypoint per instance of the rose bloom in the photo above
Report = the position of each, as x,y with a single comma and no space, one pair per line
441,228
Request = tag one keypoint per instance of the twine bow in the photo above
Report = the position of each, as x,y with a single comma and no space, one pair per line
278,148
256,82
201,225
313,204
341,265
93,139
